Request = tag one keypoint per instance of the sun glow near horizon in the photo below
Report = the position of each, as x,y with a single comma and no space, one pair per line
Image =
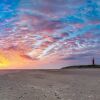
4,62
15,59
9,59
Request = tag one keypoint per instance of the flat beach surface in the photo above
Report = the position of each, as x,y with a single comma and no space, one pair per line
64,84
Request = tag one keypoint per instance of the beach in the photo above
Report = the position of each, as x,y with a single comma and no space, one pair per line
54,84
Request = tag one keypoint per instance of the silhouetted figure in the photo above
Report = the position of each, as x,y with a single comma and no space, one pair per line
93,61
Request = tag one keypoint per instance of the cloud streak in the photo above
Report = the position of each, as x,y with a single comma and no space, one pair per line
45,28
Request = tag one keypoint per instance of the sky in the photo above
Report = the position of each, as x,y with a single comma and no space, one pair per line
49,33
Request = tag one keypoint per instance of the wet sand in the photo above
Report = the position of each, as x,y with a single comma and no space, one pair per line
64,84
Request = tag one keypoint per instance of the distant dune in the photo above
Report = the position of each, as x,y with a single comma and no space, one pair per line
82,66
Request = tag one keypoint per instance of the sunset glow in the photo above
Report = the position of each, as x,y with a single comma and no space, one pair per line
38,33
4,62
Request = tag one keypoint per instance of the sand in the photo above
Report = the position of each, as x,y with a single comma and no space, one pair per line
65,84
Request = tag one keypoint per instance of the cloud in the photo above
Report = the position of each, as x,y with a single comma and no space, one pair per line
79,56
48,27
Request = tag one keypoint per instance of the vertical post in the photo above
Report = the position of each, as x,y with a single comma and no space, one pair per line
93,61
